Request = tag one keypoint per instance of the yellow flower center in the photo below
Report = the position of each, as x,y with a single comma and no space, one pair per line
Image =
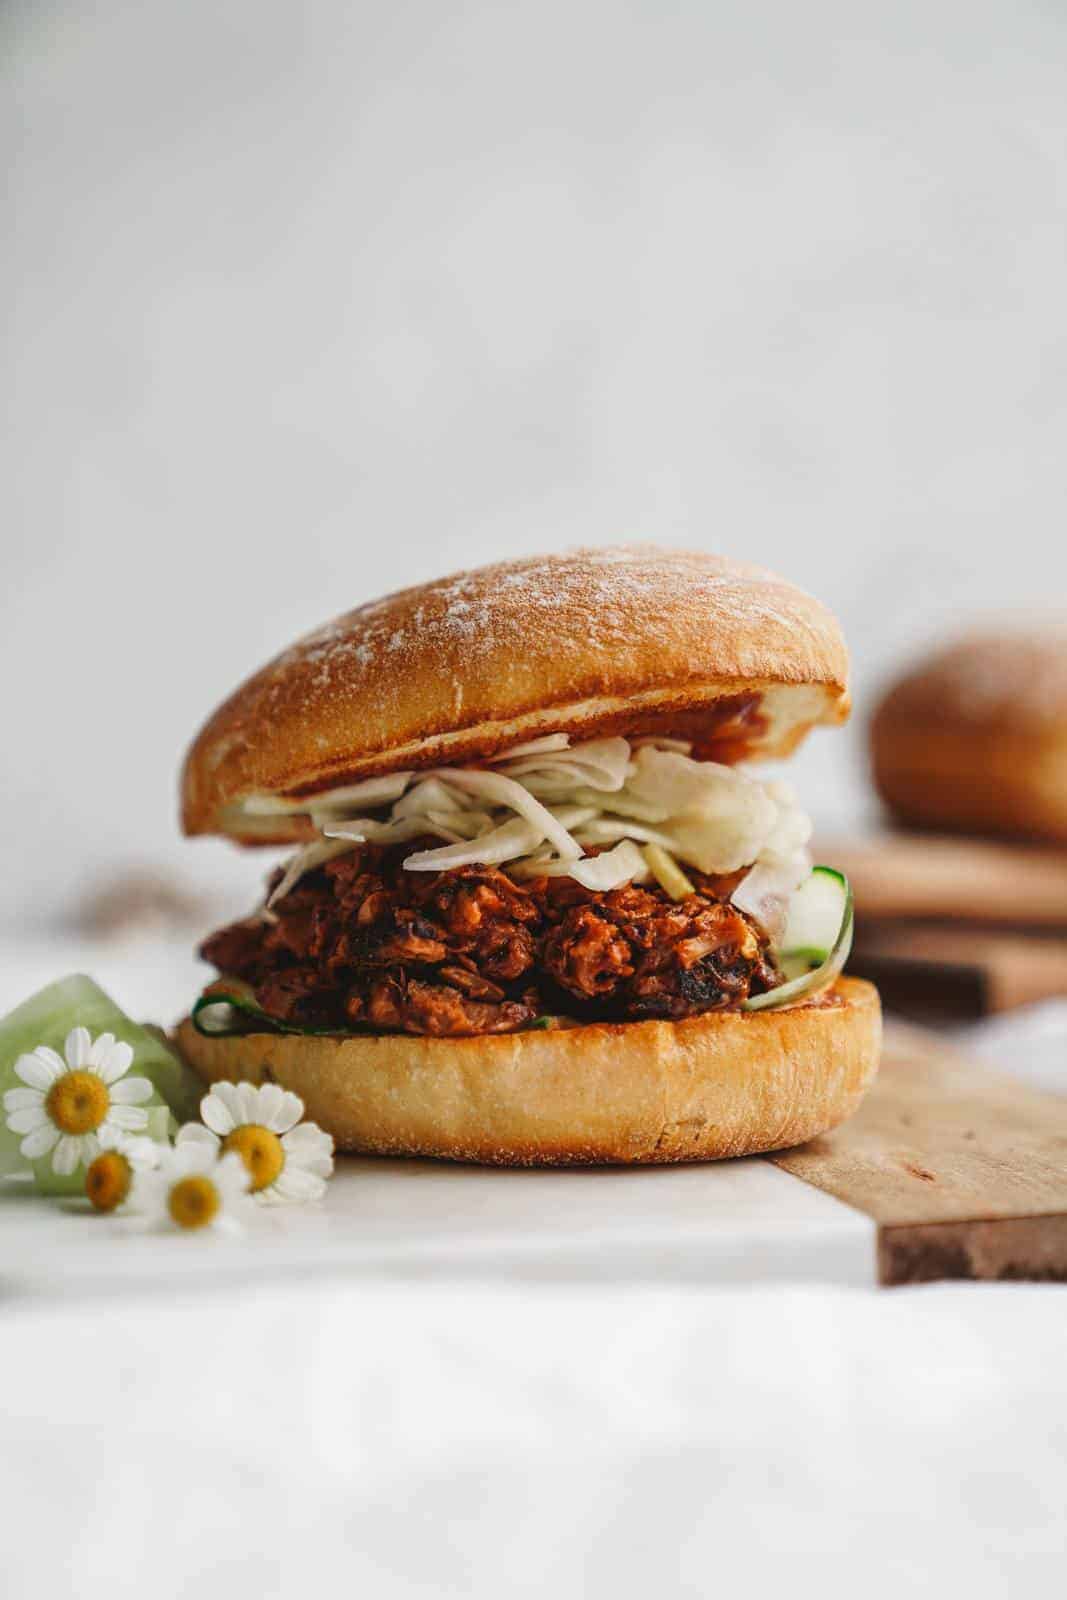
260,1150
107,1182
193,1202
78,1102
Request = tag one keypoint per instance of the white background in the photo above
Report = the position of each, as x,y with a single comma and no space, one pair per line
306,302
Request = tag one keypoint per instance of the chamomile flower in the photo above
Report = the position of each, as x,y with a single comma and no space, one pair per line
286,1159
68,1104
192,1188
111,1173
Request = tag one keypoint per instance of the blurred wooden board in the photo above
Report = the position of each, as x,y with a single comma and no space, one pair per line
964,1171
954,928
941,969
933,876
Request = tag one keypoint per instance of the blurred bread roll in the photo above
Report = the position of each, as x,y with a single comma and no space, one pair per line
974,737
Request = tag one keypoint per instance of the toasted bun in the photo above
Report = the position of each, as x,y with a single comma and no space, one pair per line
631,640
726,1084
975,737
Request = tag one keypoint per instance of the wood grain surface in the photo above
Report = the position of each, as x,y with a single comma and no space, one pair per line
1009,968
917,875
964,1170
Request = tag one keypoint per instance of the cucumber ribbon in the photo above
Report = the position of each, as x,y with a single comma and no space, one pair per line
219,1013
224,1005
817,940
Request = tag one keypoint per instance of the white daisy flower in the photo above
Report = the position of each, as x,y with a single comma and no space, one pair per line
286,1159
111,1173
67,1105
192,1188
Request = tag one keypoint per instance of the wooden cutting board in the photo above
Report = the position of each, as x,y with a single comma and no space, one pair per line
963,1170
956,928
932,876
940,971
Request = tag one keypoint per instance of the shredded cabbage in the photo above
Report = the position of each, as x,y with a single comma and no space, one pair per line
356,796
464,824
667,873
507,792
602,764
363,829
765,891
515,838
539,806
683,746
606,830
536,747
311,855
624,864
429,794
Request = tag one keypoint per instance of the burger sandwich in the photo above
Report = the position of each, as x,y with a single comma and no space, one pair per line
538,907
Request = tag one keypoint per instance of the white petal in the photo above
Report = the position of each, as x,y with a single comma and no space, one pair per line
321,1165
115,1061
28,1118
215,1110
308,1135
22,1099
77,1049
196,1133
309,1147
90,1147
292,1183
288,1114
131,1118
66,1155
131,1091
227,1225
41,1069
100,1048
147,1191
232,1176
39,1142
142,1154
268,1100
249,1102
185,1159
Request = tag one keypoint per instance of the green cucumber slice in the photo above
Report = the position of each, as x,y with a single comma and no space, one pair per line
817,942
46,1018
797,962
815,914
220,1012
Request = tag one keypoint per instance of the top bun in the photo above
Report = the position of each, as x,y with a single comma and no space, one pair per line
630,640
974,737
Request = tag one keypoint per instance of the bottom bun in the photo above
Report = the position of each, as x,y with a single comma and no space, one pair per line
731,1083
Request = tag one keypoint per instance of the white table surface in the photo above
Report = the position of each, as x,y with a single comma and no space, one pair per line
738,1222
517,1389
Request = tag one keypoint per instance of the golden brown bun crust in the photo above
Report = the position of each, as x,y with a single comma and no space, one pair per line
975,737
625,640
725,1084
